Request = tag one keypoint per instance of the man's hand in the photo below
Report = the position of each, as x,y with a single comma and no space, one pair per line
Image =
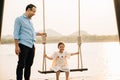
17,50
42,34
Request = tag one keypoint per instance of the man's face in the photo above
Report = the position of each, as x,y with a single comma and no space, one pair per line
32,12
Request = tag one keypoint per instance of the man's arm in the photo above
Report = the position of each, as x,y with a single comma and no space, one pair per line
41,34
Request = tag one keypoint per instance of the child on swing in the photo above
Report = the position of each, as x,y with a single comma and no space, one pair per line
60,60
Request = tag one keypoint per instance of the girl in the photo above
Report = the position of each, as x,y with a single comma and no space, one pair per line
60,60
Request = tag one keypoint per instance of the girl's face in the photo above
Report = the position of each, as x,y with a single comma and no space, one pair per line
61,47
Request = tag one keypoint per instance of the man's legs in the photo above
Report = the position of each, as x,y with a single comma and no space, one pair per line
29,62
21,61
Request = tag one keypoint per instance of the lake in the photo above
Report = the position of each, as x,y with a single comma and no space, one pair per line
101,59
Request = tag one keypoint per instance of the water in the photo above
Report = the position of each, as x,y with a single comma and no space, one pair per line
101,59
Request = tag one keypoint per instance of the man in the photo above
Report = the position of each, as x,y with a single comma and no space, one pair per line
24,36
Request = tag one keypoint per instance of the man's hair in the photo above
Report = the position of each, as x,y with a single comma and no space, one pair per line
30,6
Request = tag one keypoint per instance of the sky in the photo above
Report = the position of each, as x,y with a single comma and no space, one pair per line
97,17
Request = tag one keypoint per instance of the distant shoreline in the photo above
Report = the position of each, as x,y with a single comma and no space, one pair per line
69,39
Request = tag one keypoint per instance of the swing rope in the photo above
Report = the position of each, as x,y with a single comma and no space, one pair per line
44,40
79,38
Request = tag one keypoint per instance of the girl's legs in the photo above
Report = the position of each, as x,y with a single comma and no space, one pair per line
67,75
57,75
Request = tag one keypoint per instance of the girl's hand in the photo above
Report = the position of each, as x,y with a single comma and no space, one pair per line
45,55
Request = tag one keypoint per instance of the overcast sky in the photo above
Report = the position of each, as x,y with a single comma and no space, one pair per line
96,16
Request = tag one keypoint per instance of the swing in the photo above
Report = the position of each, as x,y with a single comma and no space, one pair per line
44,71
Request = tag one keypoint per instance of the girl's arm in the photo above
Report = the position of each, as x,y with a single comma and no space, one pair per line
72,54
50,58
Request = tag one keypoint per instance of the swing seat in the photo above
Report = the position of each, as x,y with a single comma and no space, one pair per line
71,70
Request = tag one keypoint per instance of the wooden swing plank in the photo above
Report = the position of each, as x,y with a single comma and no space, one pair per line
71,70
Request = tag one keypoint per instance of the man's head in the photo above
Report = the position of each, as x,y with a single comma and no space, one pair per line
30,10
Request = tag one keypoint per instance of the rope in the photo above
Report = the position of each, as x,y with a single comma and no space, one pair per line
44,39
79,38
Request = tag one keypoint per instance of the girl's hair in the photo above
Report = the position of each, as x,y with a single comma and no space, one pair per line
61,43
